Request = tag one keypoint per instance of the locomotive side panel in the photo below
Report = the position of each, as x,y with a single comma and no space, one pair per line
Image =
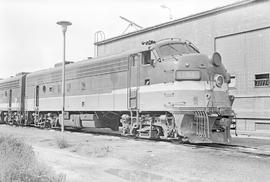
98,93
165,91
43,95
12,93
91,86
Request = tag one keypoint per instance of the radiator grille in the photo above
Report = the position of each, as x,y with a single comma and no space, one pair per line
85,70
10,85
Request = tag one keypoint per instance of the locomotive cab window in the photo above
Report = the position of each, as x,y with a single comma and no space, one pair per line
176,49
147,57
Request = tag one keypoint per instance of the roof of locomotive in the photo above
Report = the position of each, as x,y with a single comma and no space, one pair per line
148,45
10,79
88,61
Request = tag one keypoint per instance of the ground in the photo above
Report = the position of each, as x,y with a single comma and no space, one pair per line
91,157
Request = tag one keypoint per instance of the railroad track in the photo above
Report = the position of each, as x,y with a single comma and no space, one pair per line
253,151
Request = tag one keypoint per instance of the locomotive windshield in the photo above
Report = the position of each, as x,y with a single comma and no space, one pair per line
176,49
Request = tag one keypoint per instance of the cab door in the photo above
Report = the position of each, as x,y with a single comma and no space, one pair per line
133,81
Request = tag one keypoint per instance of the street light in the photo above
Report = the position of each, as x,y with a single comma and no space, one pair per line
64,25
170,11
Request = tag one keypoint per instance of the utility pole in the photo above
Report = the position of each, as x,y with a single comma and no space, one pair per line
64,25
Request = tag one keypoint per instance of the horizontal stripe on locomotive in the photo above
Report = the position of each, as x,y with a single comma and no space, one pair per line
14,106
10,85
170,86
149,98
182,85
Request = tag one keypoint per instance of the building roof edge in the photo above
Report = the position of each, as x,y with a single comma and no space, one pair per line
180,20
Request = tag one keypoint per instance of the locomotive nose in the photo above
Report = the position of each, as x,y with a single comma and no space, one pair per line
192,67
193,61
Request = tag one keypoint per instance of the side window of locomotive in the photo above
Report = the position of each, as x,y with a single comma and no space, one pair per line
51,89
146,57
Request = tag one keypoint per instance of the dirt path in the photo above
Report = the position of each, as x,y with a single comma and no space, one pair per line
88,157
76,167
105,158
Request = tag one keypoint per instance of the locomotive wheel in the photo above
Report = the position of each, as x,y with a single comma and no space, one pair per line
155,133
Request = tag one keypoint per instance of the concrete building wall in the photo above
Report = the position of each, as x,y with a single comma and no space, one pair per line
245,55
201,30
240,33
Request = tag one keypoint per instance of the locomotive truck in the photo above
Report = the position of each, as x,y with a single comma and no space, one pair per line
165,89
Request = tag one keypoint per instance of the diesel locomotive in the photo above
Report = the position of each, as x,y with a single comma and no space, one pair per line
165,89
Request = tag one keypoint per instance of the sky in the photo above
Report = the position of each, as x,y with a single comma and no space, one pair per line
30,39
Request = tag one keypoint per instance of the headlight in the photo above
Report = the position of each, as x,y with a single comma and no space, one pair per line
219,80
187,75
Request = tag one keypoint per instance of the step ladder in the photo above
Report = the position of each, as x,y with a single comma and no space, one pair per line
201,122
36,116
135,121
146,131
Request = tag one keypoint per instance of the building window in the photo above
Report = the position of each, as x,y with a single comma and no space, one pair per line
83,86
261,80
44,89
232,84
